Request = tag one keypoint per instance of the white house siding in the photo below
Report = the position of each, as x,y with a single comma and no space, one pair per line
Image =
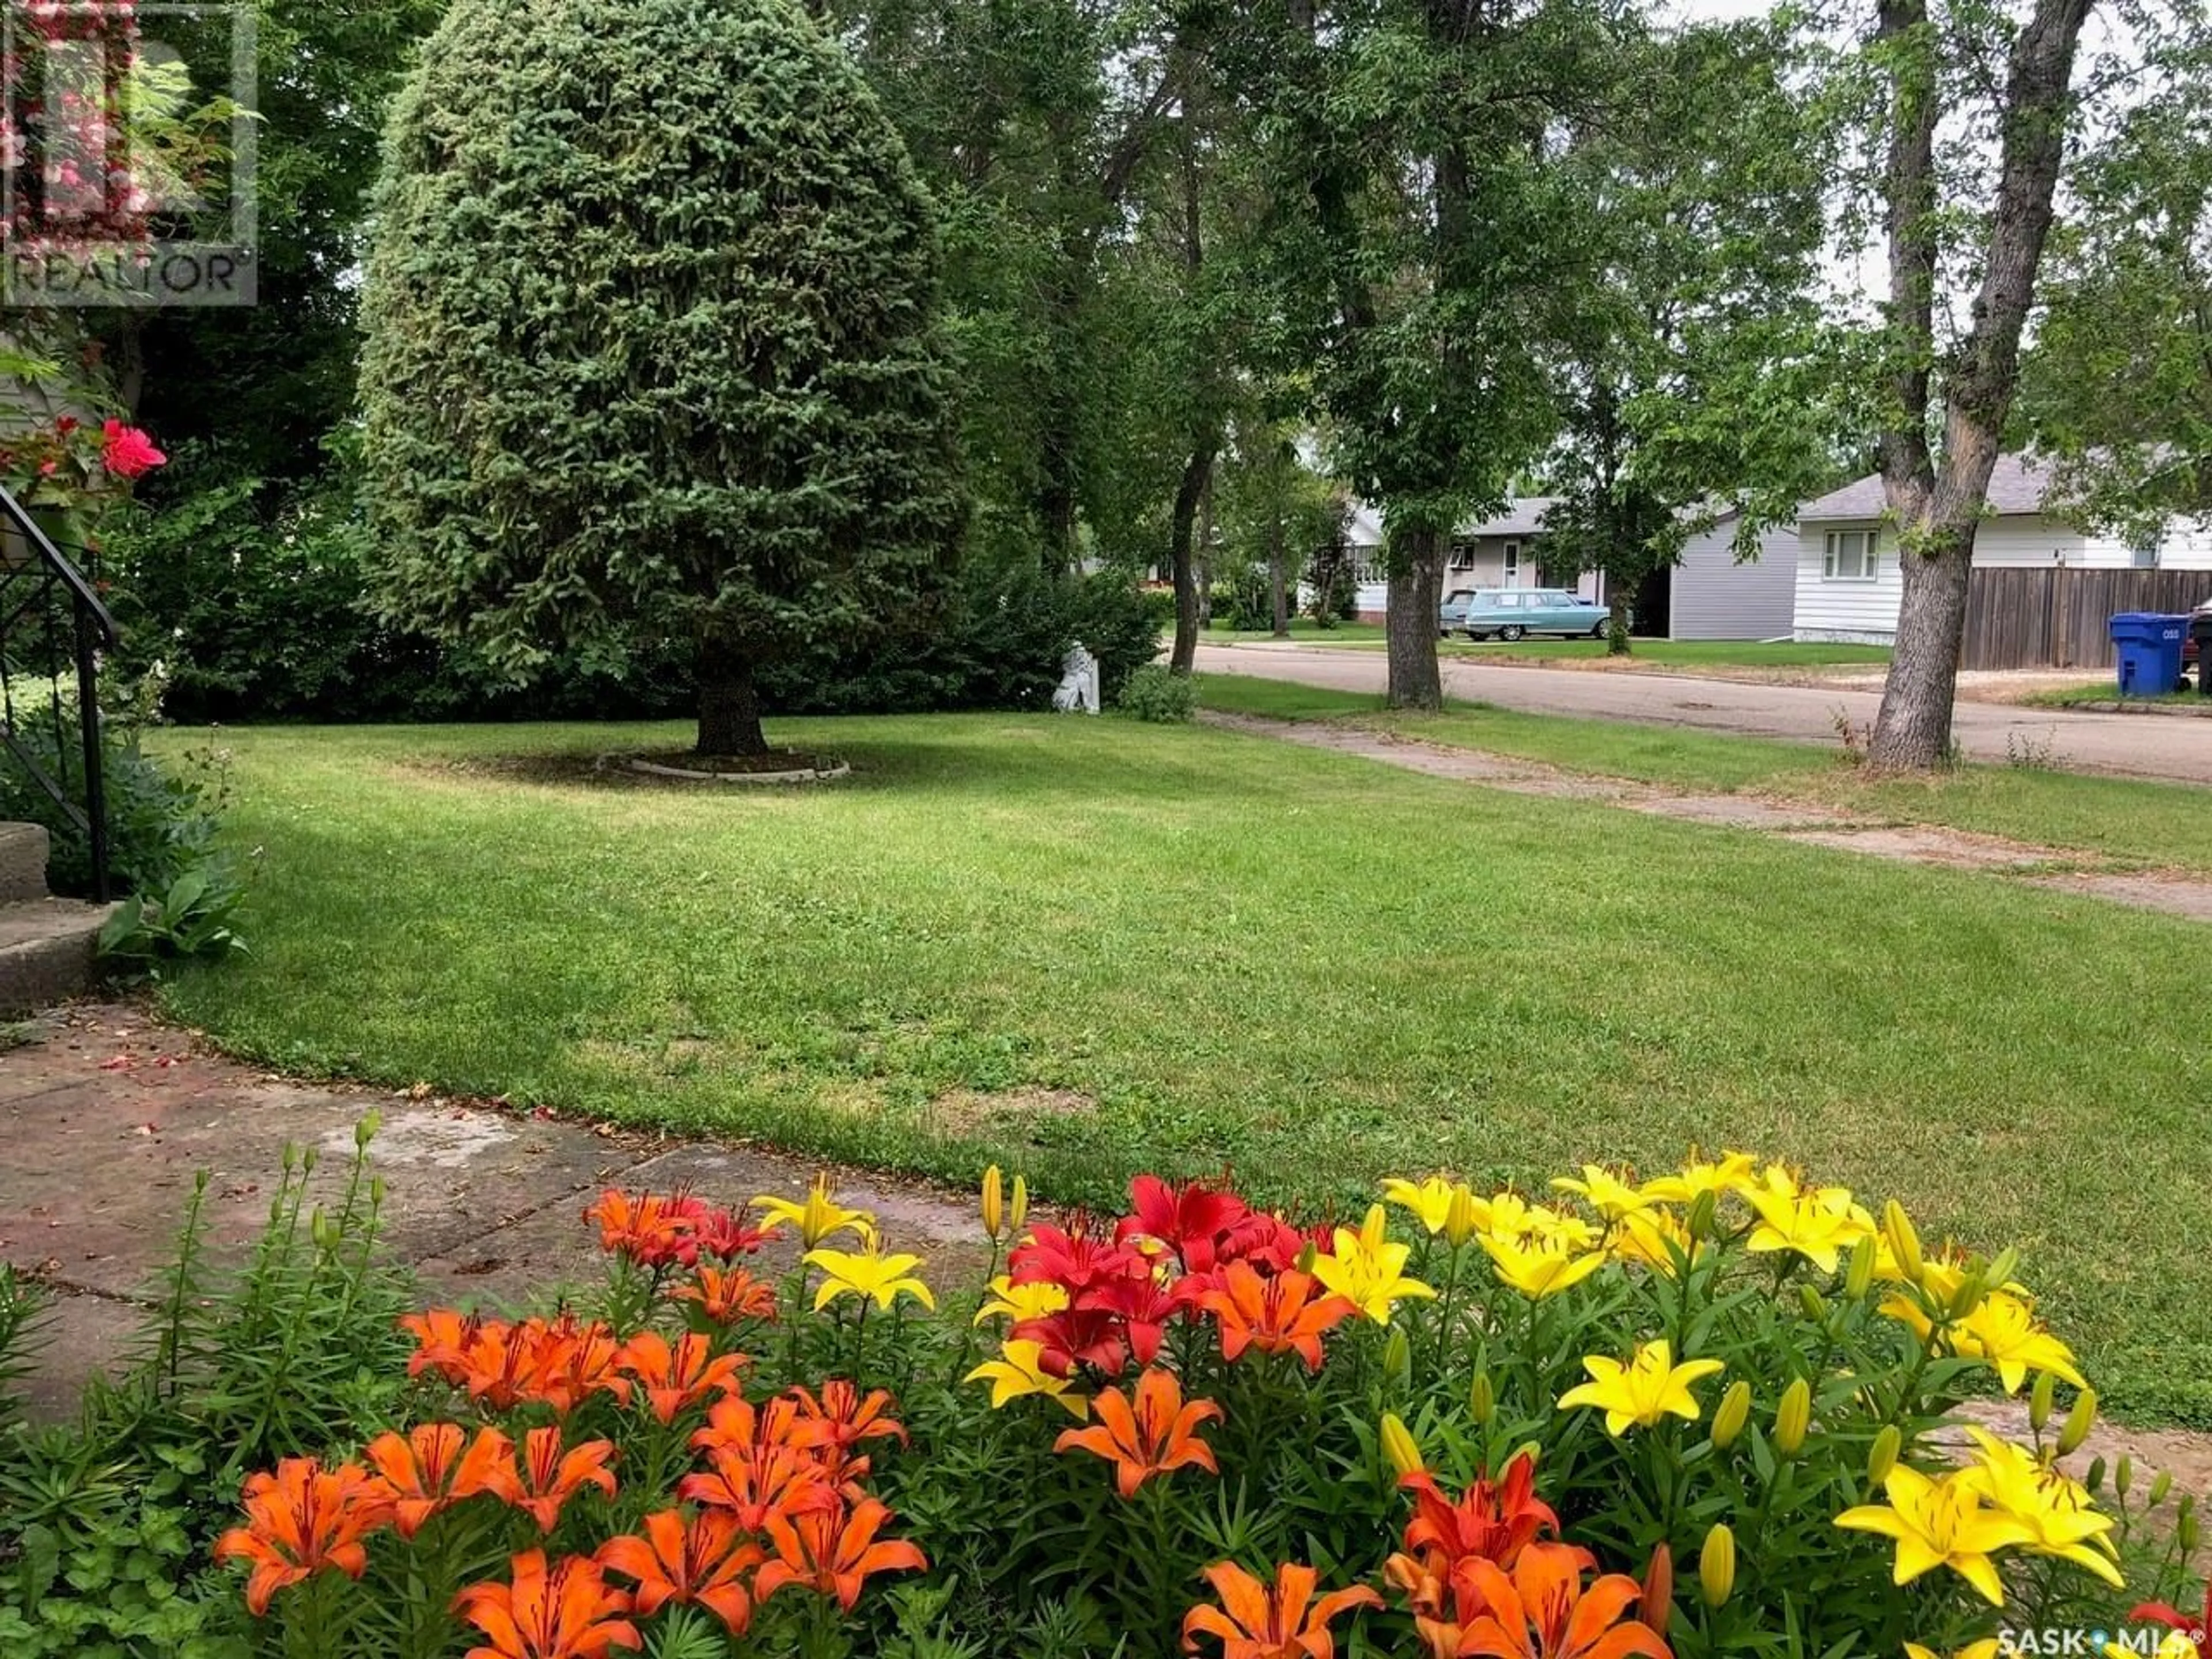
2186,545
1711,597
1865,612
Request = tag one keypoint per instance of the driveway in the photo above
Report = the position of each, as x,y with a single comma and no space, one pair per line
2135,745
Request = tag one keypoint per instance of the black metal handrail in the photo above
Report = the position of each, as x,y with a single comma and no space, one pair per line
52,625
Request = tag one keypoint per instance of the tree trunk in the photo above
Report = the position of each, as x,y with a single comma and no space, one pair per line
729,704
1913,730
1616,622
1417,588
1188,494
1278,574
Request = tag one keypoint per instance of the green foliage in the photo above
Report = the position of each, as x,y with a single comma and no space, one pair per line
162,818
607,395
1153,693
192,917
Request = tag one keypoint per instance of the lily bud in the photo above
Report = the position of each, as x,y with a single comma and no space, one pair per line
1857,1280
1704,1208
1967,1298
1999,1272
1882,1457
1400,1446
1732,1413
1019,1213
1527,1448
2161,1484
291,1161
993,1203
308,1159
1793,1417
1397,1357
1657,1605
2093,1478
1482,1399
1717,1565
322,1228
1813,1304
1309,1253
1462,1222
376,1192
1904,1241
365,1131
2040,1400
2124,1474
2079,1422
2185,1527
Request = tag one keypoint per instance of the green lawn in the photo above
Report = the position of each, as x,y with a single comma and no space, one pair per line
2103,692
2150,825
1088,947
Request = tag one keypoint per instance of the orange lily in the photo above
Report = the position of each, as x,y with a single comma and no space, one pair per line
847,1417
428,1469
549,1477
443,1338
568,1360
833,1549
759,1460
1542,1610
648,1228
1159,1435
703,1559
299,1521
675,1375
566,1611
1276,1315
727,1295
1285,1623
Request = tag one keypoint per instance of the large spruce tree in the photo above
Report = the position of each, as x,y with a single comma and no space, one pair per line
651,341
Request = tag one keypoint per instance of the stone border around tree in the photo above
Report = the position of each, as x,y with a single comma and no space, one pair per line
827,769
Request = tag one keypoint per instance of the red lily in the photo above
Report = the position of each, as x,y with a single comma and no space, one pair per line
1254,1622
567,1612
1492,1520
1277,1316
702,1559
436,1465
728,1235
1088,1335
1192,1219
1157,1436
674,1376
300,1520
1077,1260
2196,1628
832,1550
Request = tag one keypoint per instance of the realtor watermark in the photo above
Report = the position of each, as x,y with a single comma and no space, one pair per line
2150,1641
128,144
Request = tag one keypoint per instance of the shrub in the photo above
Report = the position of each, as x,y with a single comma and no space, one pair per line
163,820
1244,598
651,344
1152,693
1706,1408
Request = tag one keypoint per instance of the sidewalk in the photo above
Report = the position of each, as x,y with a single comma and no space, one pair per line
108,1117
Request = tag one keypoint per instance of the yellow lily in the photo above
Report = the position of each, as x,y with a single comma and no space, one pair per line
1538,1268
1643,1236
1732,1172
1940,1523
2055,1508
1639,1393
1019,1302
870,1272
1985,1649
819,1216
1604,1192
1817,1223
1367,1270
2002,1329
1429,1201
1017,1373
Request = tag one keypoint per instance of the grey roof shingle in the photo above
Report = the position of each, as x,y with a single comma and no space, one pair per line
2017,485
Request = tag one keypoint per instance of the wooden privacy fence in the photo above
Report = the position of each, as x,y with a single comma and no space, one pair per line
2058,617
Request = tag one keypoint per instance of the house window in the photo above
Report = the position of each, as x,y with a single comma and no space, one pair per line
1462,556
1512,564
1850,558
2145,549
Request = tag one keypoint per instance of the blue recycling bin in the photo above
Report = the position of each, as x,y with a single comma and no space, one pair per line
2148,645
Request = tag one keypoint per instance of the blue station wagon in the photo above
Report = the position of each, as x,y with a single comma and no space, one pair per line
1514,613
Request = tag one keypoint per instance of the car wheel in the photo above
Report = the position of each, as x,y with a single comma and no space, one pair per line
1477,638
1513,631
1597,630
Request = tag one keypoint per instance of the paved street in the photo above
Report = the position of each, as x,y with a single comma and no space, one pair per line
2138,745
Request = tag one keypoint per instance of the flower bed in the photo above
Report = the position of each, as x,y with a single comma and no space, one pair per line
1703,1415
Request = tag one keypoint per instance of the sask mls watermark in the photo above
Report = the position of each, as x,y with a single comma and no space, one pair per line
127,148
2130,1641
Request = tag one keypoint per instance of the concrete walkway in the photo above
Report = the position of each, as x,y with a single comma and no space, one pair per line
108,1116
2173,751
2057,868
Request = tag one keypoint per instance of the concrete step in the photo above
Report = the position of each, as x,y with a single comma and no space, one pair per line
46,950
23,848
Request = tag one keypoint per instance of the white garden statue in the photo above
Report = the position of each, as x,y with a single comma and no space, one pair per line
1079,682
